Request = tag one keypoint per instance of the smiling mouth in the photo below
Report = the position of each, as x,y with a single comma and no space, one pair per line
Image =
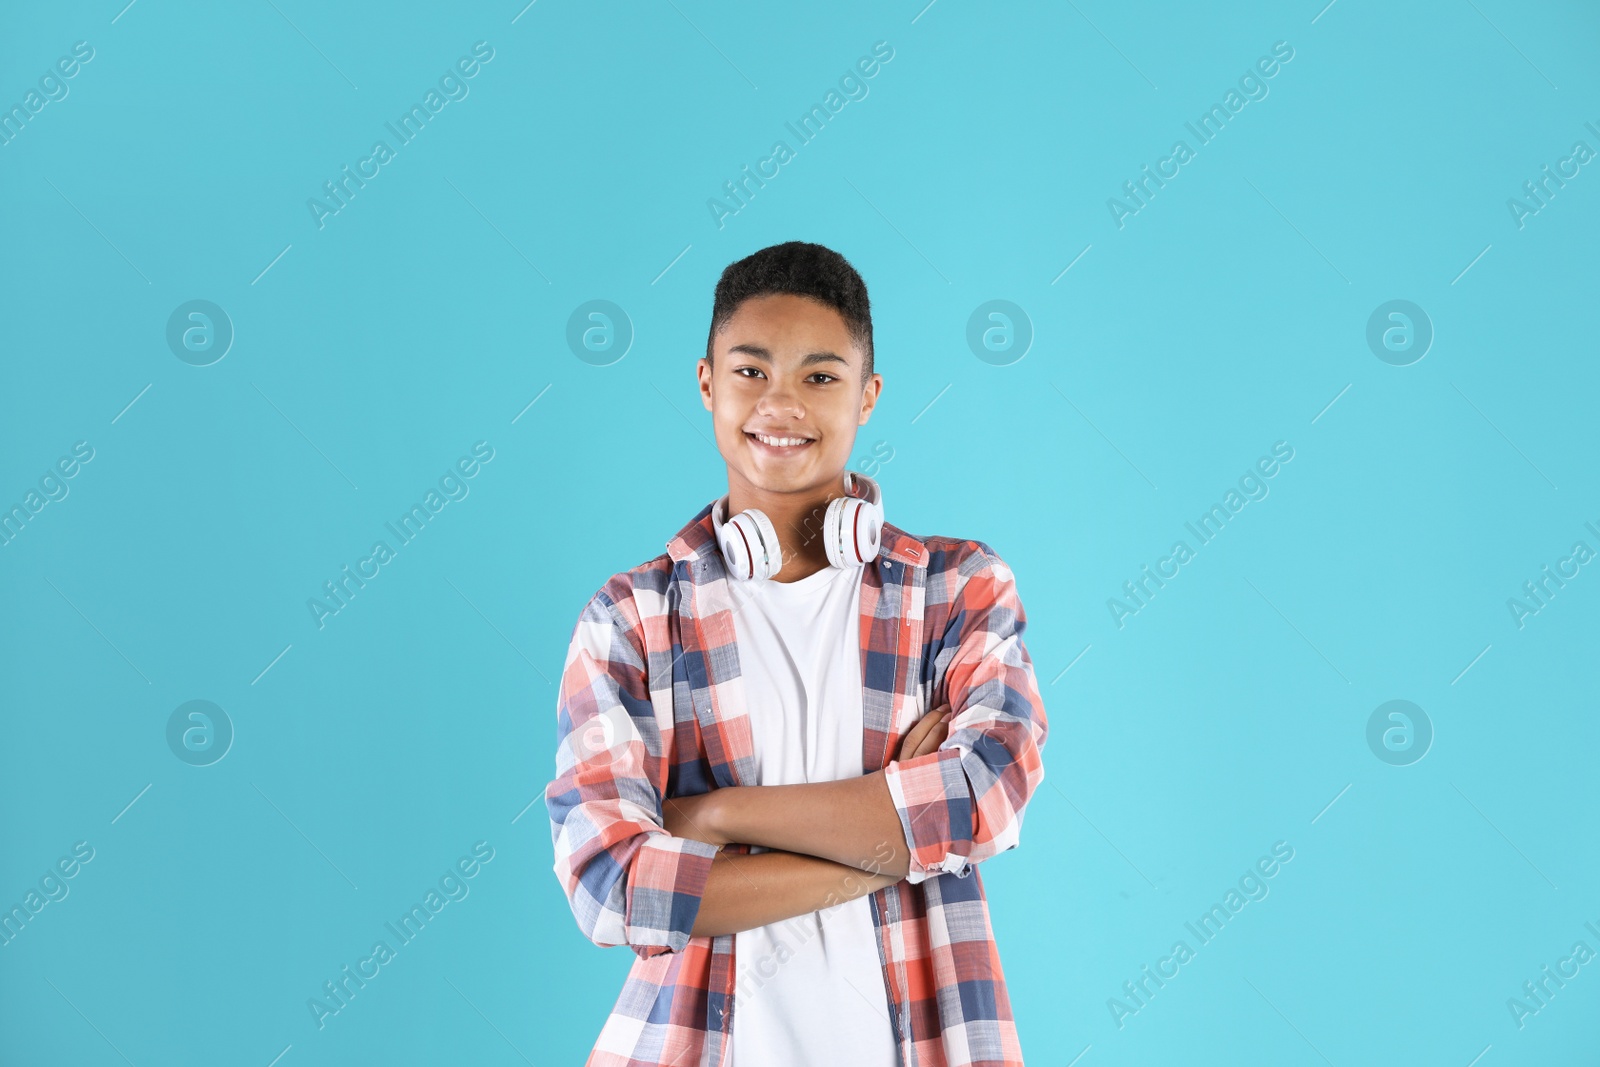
780,446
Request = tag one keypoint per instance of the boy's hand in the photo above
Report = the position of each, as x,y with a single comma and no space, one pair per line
927,734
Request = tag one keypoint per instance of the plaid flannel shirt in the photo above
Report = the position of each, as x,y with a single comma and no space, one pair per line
652,705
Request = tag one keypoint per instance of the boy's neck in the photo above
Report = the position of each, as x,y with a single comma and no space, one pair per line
798,520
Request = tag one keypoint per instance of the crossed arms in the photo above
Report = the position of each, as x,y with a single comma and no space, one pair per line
837,840
644,870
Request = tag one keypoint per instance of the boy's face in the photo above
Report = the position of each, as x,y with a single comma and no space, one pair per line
786,367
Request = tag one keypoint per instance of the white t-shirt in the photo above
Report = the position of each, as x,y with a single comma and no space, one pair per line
809,989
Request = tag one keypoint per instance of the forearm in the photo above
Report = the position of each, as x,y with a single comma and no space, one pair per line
852,821
746,891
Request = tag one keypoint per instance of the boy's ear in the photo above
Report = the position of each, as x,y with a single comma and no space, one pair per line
702,370
869,397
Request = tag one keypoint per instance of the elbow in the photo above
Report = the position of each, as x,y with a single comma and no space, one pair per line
994,826
1005,768
1001,806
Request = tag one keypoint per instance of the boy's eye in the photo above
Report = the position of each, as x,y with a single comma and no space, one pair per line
756,372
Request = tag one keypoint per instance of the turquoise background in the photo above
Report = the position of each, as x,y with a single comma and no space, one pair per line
1229,313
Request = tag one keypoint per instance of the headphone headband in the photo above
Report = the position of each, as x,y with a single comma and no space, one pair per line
873,495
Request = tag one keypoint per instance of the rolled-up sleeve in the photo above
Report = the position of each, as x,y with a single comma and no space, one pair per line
628,881
964,802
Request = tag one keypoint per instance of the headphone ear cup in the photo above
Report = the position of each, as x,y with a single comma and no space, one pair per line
750,546
832,523
872,524
853,531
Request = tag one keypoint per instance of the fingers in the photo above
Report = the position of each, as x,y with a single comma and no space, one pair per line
941,730
927,733
920,728
935,736
913,738
938,722
908,746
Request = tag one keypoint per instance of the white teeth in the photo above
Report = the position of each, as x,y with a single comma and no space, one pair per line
780,442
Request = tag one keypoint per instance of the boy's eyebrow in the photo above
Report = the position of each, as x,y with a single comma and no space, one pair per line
765,356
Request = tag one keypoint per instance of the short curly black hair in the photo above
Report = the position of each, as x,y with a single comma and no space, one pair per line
803,269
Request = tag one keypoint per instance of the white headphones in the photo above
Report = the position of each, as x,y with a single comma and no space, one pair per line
852,531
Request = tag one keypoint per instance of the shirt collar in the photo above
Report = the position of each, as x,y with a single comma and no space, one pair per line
698,540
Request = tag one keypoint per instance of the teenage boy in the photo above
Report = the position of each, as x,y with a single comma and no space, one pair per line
752,792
